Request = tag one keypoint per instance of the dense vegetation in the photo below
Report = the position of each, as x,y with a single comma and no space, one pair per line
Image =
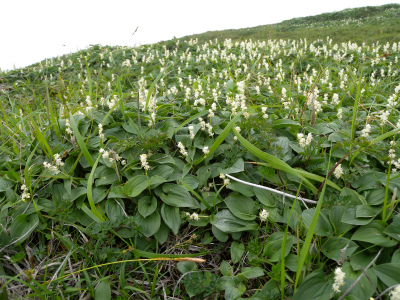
140,173
359,25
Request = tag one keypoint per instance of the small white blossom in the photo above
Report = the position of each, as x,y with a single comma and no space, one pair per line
194,216
365,132
338,171
339,280
143,160
206,150
191,132
395,293
264,215
182,149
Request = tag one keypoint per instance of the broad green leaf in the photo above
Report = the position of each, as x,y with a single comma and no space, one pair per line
323,226
136,185
364,289
242,207
227,222
366,211
176,195
162,234
315,287
186,266
349,217
147,205
171,217
273,246
191,181
373,234
220,235
335,217
393,230
150,224
114,210
5,184
388,273
376,196
241,188
252,272
284,123
77,192
23,226
103,291
225,268
238,166
237,251
356,198
332,247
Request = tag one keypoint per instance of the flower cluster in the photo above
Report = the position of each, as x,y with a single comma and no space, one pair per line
303,142
264,109
338,171
226,180
365,132
193,216
143,160
206,150
111,156
191,132
392,157
384,116
57,163
112,102
237,128
395,293
25,195
205,125
101,134
182,149
264,215
339,113
68,127
339,280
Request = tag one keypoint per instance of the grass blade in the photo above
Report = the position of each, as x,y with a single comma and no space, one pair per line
310,232
90,192
80,141
220,138
275,163
196,116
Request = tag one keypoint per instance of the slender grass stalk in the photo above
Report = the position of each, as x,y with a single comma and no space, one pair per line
385,204
307,242
51,114
90,193
355,107
283,249
183,258
80,141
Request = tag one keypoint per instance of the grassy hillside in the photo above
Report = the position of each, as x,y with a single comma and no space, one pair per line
205,171
365,24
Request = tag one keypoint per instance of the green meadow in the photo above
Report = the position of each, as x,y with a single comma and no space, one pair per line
258,163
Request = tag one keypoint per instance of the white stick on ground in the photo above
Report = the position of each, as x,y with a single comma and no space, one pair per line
272,190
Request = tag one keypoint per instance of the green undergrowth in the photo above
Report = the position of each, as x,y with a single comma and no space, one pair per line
118,171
